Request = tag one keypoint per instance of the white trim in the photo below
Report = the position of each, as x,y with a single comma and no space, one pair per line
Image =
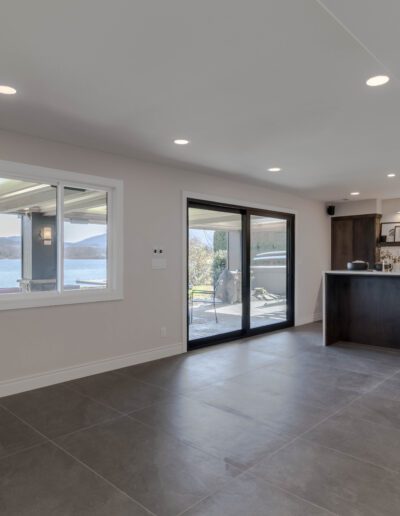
235,202
114,189
27,383
60,239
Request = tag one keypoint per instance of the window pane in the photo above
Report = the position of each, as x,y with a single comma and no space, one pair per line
215,272
268,262
28,236
85,239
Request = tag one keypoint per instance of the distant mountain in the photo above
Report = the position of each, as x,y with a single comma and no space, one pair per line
10,247
12,240
93,247
95,241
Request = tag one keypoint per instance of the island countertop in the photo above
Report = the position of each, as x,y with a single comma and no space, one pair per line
362,307
365,273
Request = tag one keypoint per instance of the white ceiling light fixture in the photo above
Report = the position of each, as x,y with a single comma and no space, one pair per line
7,90
274,169
378,80
391,175
355,193
181,141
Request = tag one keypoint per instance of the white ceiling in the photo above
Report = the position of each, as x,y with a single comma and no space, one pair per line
253,84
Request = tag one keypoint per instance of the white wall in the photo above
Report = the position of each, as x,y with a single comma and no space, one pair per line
362,207
45,345
390,209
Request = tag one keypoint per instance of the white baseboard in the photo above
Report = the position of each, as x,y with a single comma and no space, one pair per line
308,319
27,383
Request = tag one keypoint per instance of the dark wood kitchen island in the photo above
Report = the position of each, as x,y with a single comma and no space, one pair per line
362,307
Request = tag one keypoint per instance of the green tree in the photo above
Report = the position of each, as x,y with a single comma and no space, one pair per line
200,263
220,241
220,263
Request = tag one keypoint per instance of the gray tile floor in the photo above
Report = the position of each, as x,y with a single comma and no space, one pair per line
274,425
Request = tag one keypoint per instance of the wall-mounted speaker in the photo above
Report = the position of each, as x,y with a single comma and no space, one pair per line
330,210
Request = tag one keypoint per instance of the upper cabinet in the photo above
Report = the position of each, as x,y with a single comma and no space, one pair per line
354,238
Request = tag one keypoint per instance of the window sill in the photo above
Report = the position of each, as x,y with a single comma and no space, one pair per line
43,299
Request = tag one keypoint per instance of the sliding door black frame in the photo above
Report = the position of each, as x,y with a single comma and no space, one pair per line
245,213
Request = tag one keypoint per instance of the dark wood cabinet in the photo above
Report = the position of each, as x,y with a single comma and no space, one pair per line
354,238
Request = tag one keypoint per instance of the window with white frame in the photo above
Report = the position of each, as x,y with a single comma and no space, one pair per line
59,237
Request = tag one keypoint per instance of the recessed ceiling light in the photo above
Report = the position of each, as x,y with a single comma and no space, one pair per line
391,175
274,169
181,141
7,90
355,193
378,80
398,212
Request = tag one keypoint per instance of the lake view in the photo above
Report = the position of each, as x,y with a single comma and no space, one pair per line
74,270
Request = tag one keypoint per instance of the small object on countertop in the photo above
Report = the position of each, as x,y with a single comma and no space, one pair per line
387,266
357,265
379,267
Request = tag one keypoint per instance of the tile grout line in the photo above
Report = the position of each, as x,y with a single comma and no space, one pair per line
17,452
254,477
86,466
130,412
186,396
247,471
242,469
209,495
299,436
358,459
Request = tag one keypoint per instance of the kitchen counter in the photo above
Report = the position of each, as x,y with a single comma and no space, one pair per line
362,307
366,273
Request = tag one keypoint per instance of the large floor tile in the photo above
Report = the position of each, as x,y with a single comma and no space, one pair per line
288,343
296,387
388,390
44,481
352,357
161,472
308,368
363,439
239,440
330,479
198,369
15,435
170,374
120,392
378,409
57,410
281,414
249,496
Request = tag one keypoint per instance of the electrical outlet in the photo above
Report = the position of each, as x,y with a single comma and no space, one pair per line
163,331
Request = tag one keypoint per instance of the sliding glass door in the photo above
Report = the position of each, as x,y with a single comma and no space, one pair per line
268,270
240,272
214,272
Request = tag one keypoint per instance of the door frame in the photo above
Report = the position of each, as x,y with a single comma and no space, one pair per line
246,211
